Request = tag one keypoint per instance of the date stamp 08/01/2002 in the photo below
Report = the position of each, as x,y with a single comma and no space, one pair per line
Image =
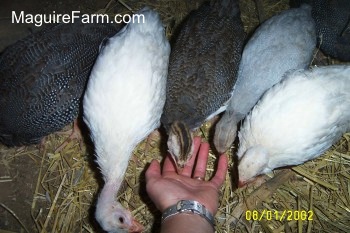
288,215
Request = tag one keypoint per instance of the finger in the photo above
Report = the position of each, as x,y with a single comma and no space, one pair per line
168,166
220,174
202,160
153,171
197,143
187,170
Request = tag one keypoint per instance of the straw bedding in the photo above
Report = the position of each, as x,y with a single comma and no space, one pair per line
66,183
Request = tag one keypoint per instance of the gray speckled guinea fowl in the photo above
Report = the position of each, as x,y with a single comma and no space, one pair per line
332,18
42,78
285,41
202,72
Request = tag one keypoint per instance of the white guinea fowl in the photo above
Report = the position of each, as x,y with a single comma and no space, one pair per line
123,103
295,121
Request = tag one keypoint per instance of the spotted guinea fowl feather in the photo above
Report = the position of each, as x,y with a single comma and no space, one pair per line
42,78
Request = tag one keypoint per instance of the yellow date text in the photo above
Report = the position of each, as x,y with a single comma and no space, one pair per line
285,215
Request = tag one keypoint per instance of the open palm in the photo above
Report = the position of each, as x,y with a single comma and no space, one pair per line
167,187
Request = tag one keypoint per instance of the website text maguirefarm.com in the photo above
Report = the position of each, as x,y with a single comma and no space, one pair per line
40,19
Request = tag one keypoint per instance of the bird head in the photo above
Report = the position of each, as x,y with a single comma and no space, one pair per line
253,163
112,216
180,144
225,132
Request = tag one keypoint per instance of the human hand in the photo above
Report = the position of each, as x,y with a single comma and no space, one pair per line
168,187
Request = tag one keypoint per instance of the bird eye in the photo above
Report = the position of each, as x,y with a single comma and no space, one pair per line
121,220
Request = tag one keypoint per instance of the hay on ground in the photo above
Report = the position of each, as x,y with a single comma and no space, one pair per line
317,193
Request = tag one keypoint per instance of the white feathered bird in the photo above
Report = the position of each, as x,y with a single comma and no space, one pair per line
123,103
295,121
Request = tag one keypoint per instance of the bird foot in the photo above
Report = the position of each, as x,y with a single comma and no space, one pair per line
75,134
260,9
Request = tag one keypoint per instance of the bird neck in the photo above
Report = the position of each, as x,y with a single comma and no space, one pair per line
109,190
113,161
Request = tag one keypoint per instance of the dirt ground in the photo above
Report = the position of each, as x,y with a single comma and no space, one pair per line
18,174
18,178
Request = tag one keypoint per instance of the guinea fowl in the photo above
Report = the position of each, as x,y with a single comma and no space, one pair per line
123,103
295,121
285,41
42,79
332,19
202,71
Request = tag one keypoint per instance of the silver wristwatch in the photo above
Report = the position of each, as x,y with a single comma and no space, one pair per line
188,206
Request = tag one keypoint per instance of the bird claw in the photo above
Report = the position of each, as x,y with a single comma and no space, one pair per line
76,134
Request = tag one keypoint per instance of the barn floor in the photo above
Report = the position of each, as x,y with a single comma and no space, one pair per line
43,191
17,189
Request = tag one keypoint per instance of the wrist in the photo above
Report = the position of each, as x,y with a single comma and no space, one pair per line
186,223
189,207
209,206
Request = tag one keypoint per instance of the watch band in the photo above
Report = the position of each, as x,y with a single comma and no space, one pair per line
188,206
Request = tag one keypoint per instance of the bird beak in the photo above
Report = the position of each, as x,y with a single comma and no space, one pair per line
179,168
241,184
136,227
